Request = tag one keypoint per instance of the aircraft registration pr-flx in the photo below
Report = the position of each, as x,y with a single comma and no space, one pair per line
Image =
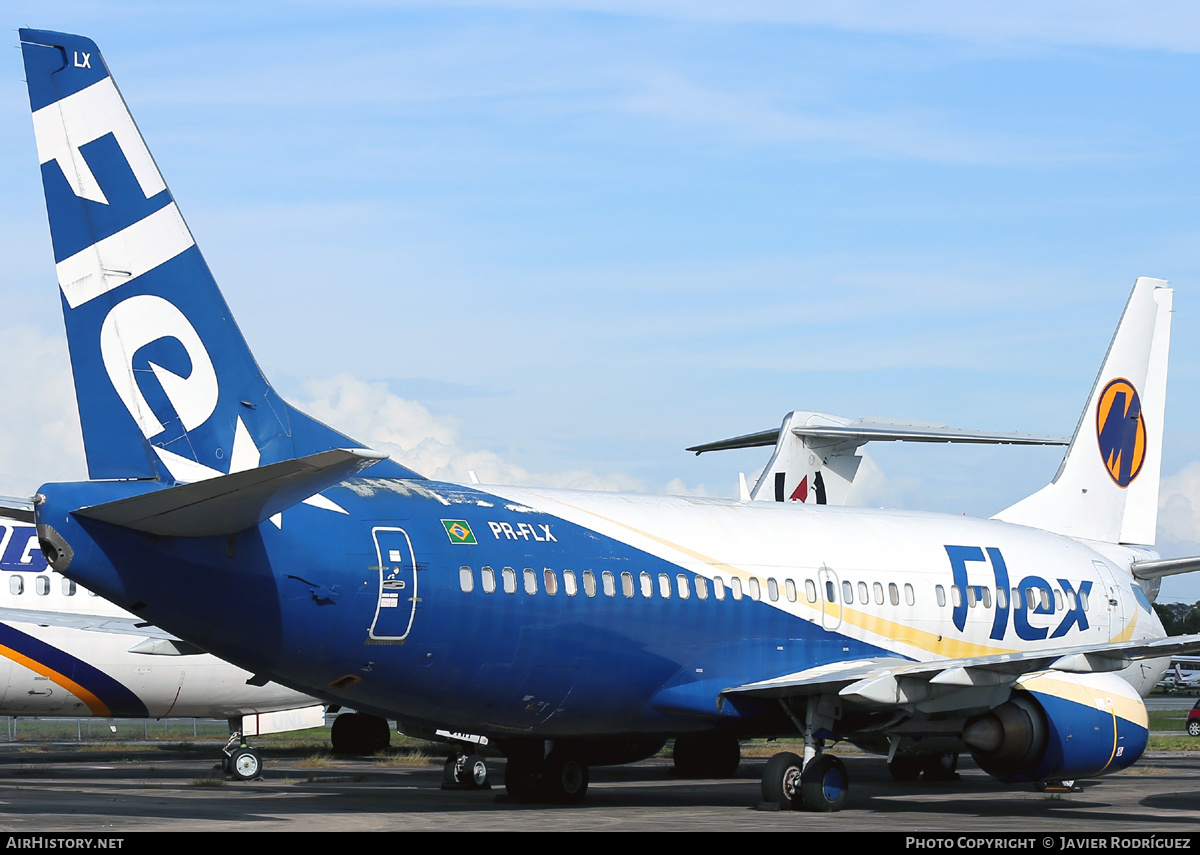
573,628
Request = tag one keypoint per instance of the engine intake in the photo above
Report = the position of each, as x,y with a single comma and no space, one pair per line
1060,726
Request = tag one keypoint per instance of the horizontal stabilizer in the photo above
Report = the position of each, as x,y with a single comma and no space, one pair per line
1166,567
20,510
114,624
232,503
878,430
816,454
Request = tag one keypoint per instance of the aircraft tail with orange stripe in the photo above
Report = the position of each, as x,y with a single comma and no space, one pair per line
1107,486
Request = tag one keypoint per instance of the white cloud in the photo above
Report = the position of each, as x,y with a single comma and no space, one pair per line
428,444
1179,505
40,440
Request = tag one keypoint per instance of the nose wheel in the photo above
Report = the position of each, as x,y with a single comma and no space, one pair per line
242,763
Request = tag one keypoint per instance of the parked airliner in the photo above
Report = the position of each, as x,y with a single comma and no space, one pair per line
572,628
64,652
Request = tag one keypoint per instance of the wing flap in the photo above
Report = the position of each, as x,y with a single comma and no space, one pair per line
890,681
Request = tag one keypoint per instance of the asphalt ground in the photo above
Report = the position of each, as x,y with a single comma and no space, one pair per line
63,789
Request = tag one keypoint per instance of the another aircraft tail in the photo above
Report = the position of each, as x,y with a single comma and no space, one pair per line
166,386
1107,486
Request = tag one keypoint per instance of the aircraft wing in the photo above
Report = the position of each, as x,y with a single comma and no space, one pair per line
891,681
120,625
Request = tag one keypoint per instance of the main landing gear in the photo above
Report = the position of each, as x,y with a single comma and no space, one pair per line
815,782
359,734
465,772
559,777
791,784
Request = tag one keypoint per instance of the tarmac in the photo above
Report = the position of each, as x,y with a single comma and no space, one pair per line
65,788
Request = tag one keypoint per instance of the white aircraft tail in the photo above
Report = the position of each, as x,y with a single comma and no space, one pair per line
1107,486
816,455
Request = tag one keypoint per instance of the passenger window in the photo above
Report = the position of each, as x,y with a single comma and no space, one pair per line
755,590
589,583
1058,600
830,591
16,585
647,584
702,587
570,588
530,581
68,587
810,590
847,592
878,588
509,576
466,579
864,596
610,583
735,587
773,589
940,593
955,596
549,581
664,586
41,585
1001,598
893,593
487,578
789,588
681,586
910,596
627,583
985,596
718,587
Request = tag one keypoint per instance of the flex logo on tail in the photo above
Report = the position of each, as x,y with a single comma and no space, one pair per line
1121,431
142,320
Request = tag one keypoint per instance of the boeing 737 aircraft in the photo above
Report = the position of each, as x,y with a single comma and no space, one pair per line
573,628
67,652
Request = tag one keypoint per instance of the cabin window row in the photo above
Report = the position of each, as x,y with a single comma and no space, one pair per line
664,586
41,585
1040,599
684,587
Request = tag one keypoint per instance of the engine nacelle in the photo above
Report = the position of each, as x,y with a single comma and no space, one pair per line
1060,726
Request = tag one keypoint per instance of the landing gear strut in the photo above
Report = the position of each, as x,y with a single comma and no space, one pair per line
816,782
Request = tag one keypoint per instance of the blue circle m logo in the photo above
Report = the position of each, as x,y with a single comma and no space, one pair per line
1121,431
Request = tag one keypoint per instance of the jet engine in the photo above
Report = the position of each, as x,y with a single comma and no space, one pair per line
1059,726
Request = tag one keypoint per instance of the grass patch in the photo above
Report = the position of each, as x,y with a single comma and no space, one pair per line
207,781
1144,770
1174,743
415,757
316,761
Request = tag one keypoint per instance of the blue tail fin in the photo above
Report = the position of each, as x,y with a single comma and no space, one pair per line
166,385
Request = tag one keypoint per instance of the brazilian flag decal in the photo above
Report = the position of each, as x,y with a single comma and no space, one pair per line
458,531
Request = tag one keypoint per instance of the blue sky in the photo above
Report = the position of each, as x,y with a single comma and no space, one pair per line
556,243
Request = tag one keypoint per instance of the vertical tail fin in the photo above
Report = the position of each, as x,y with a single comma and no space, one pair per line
166,385
1107,486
